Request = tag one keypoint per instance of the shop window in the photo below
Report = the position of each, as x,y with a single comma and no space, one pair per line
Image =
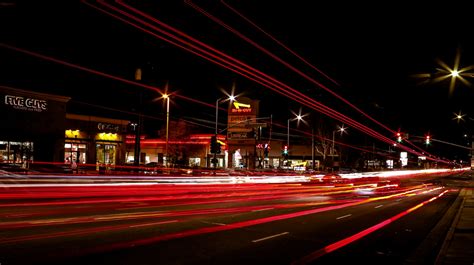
195,161
106,153
75,151
16,152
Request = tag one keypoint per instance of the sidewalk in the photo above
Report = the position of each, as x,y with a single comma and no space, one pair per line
458,247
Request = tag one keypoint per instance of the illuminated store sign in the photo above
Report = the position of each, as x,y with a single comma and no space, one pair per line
28,104
108,127
241,108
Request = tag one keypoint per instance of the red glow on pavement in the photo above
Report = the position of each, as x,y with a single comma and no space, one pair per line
79,232
232,226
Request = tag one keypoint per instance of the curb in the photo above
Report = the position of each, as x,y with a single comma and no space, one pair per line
424,252
447,241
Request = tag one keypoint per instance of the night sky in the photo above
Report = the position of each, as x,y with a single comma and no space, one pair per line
375,53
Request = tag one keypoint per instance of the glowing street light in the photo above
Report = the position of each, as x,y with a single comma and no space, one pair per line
446,72
454,73
340,129
298,118
167,98
459,116
230,98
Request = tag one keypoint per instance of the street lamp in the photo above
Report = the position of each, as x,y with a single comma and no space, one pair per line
456,72
340,129
230,99
465,118
460,117
167,97
298,118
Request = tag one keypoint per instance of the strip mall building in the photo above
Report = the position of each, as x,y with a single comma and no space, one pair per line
37,127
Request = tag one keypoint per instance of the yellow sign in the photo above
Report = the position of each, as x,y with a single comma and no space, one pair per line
72,133
108,137
241,108
237,105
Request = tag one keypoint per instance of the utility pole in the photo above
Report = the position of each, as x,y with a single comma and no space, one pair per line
138,128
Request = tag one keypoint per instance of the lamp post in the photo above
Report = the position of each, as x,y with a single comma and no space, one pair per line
230,98
138,127
341,129
466,118
298,117
167,97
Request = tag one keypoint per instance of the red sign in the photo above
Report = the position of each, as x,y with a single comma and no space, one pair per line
249,110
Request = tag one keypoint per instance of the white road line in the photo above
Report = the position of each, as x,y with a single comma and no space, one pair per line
212,223
378,206
269,237
264,209
344,216
157,223
398,200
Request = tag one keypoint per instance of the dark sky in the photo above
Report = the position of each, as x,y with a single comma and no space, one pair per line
372,50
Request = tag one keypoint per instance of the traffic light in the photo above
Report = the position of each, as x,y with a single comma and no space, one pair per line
399,137
427,139
285,150
214,145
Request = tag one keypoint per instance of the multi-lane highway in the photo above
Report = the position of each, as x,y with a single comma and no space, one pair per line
287,223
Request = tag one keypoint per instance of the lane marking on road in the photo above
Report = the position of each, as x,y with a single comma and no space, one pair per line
264,209
212,223
269,237
378,206
344,216
398,200
156,223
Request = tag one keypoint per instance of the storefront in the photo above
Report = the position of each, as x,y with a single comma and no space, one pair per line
192,150
92,140
32,126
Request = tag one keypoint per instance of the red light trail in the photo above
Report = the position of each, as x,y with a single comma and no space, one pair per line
341,243
272,55
237,66
223,60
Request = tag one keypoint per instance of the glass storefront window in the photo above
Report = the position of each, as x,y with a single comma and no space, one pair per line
75,151
16,152
106,153
195,162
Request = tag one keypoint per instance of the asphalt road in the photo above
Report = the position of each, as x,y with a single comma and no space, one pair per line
217,224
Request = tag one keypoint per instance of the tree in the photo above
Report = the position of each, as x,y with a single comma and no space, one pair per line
323,145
